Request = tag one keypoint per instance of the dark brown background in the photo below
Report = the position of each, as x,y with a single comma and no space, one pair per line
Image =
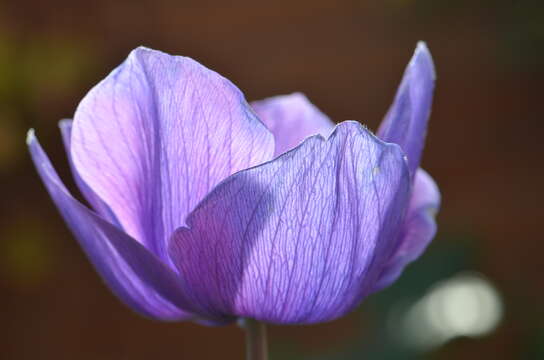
484,150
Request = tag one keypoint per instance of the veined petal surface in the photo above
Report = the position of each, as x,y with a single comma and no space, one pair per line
156,135
406,121
418,230
134,274
97,204
292,118
300,239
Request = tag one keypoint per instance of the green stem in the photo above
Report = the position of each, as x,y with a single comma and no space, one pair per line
256,344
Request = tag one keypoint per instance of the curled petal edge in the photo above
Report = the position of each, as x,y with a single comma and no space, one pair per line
134,275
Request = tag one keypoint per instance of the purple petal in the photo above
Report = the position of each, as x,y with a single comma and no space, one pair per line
418,230
98,205
292,118
156,135
406,122
300,239
136,276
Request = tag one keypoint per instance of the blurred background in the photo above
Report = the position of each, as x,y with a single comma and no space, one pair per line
476,293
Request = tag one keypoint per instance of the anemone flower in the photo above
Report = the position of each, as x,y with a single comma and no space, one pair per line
206,208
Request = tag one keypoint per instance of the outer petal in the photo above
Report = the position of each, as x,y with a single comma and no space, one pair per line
136,276
98,205
300,239
156,135
292,118
406,122
418,230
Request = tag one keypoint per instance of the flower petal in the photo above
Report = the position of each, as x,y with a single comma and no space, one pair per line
418,230
97,204
292,118
136,276
156,135
300,239
406,122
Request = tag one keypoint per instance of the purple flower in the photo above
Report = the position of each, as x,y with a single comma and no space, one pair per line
209,209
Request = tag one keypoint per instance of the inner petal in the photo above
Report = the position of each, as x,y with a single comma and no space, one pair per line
292,118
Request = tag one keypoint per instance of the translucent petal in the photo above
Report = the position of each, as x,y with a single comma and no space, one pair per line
156,135
300,239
